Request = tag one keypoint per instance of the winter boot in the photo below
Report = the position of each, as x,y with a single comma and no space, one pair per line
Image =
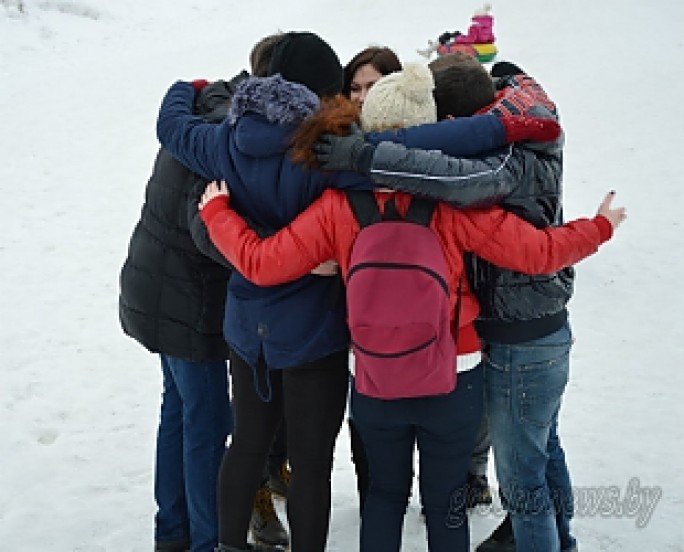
478,491
501,540
279,481
265,525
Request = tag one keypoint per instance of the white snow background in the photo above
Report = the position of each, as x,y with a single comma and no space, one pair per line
80,86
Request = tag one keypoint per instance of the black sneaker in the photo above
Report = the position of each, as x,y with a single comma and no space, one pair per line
478,491
501,540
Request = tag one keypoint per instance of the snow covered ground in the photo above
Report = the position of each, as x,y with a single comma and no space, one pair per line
80,85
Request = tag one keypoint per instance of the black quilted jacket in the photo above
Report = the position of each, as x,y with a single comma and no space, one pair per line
173,282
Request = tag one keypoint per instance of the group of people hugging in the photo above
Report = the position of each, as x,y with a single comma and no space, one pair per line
236,272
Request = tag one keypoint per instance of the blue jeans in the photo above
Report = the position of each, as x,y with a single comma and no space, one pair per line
524,384
195,420
444,429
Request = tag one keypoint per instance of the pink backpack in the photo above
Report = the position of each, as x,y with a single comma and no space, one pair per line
398,303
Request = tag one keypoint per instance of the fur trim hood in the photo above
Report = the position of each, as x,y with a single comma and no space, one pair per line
280,101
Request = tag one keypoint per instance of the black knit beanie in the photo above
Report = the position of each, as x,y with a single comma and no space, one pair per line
305,58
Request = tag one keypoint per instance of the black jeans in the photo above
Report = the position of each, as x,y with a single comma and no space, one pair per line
312,399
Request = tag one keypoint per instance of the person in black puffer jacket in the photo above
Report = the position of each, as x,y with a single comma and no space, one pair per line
172,292
171,301
172,296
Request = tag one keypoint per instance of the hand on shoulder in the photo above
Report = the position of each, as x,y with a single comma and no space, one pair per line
212,191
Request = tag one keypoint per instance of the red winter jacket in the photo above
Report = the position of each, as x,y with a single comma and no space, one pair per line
327,230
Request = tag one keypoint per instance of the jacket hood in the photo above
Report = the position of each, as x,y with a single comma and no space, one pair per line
279,101
213,101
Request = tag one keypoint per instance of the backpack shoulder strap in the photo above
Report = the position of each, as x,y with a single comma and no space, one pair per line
364,207
420,211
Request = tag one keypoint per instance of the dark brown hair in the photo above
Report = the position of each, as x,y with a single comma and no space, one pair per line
462,85
334,116
261,54
381,58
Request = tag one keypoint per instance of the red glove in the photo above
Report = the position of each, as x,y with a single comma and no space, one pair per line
524,127
198,84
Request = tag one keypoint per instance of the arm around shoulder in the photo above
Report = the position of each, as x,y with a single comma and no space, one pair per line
190,139
460,137
287,255
460,182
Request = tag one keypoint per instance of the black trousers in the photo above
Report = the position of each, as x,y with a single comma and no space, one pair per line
311,399
277,456
360,461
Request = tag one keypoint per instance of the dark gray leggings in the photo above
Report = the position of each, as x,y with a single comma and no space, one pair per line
312,398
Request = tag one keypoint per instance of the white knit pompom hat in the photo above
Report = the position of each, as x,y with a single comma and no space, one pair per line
400,99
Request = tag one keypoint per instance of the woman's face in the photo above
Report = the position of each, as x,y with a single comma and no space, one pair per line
364,78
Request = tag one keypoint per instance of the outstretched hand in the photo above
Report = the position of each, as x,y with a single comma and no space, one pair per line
212,191
340,153
615,216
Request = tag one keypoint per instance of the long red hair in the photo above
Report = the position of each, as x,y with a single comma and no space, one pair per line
334,116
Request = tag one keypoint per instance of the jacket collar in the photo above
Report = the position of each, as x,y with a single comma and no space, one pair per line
213,101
